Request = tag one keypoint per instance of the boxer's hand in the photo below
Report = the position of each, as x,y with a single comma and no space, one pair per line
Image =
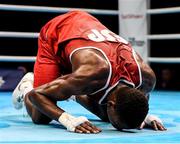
154,125
77,124
87,127
153,122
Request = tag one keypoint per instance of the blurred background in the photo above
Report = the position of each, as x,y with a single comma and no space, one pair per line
168,75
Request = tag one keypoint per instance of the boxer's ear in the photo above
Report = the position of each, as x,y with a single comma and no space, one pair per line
111,104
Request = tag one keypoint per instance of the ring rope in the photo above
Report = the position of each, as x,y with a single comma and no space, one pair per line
164,10
33,58
35,35
17,58
163,36
19,34
54,9
164,60
93,11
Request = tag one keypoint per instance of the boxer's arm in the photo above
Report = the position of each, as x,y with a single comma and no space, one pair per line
90,72
148,84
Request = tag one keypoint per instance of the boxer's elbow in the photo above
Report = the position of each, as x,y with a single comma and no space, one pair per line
149,81
98,79
33,96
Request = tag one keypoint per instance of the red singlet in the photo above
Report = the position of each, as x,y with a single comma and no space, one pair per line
76,30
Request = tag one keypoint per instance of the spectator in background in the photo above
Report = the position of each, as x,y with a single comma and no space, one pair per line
23,69
168,80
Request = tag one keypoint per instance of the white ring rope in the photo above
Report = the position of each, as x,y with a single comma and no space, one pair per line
35,35
17,58
93,11
19,34
164,10
163,36
54,9
33,58
164,60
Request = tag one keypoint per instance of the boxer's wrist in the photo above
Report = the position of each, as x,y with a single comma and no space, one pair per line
65,119
71,122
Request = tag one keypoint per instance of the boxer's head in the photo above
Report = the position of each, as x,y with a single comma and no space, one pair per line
127,107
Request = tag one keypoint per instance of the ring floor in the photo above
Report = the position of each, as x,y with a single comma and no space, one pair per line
16,126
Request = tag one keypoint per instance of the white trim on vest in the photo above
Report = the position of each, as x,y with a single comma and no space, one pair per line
110,67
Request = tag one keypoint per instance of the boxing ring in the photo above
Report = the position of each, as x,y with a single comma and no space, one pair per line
16,126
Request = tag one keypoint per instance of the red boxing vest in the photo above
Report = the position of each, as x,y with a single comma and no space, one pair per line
82,30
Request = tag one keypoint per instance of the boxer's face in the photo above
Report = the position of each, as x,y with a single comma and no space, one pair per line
114,117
